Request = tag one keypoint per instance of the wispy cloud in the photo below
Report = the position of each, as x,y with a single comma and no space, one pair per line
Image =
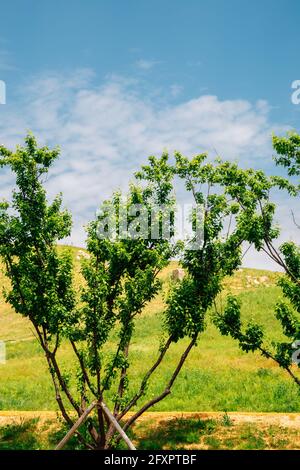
176,90
194,63
146,64
107,131
5,60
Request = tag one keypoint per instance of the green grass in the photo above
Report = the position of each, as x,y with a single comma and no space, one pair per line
216,377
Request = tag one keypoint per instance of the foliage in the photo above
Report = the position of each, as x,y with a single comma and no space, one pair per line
287,256
41,279
121,276
288,152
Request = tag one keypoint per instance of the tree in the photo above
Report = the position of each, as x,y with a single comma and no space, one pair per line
40,277
252,336
288,152
120,277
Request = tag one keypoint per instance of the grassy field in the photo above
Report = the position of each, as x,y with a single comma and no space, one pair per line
217,375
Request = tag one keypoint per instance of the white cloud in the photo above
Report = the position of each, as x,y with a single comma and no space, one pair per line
146,64
107,131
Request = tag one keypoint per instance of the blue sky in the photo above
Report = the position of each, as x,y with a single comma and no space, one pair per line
114,81
232,48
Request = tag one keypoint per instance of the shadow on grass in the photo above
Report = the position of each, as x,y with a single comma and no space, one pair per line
55,436
173,434
19,436
31,435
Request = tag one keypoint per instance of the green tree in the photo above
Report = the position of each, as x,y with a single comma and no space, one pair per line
251,337
121,276
40,278
288,152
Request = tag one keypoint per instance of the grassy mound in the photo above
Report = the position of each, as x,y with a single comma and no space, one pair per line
217,375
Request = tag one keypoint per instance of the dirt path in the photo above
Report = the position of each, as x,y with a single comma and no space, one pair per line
287,420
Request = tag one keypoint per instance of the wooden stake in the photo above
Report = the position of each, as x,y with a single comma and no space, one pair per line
115,423
75,426
83,417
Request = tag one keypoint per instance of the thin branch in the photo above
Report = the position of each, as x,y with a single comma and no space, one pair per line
270,356
146,378
83,369
294,220
167,390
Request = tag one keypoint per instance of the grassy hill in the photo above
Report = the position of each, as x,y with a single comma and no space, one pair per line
217,375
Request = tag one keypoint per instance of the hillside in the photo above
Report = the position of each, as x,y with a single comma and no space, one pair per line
220,376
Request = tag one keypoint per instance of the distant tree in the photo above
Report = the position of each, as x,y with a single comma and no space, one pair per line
252,337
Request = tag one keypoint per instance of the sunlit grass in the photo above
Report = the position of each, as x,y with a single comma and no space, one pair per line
217,375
